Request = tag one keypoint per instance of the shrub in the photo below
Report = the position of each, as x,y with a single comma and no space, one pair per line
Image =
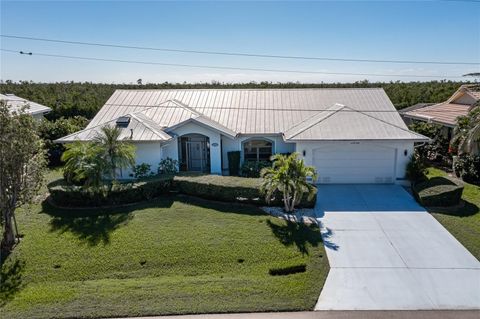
76,196
233,163
143,170
168,166
468,168
438,149
252,169
229,189
49,131
416,171
439,192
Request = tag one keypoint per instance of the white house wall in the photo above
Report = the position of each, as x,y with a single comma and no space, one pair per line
229,145
401,148
145,152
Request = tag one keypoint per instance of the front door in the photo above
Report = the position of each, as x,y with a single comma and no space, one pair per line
195,156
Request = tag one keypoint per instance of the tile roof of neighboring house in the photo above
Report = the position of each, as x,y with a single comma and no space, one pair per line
443,113
262,111
414,107
472,89
15,103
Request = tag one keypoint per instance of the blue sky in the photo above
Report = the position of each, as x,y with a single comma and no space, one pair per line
391,30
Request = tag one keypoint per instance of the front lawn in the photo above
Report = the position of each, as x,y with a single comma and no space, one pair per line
173,255
463,222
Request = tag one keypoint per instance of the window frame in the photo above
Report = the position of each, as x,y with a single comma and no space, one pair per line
257,149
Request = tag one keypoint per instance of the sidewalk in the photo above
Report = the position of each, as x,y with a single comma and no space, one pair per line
421,314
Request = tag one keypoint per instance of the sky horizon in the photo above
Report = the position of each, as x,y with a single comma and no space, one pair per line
446,31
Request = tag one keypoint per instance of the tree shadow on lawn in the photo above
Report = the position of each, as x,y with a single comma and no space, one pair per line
464,209
11,279
298,234
94,226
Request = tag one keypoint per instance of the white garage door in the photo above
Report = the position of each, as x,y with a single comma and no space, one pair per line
354,163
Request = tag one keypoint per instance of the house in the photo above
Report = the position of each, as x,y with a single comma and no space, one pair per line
16,103
445,113
349,135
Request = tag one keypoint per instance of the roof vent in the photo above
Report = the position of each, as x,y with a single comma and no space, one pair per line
123,121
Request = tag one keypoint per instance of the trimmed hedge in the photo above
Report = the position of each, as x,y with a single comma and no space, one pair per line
126,193
439,192
228,189
214,187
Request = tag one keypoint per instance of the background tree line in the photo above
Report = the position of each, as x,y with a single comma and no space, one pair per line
68,99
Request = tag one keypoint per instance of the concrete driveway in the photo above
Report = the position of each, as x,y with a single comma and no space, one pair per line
387,253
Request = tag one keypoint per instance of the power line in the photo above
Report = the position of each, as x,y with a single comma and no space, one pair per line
239,53
288,109
223,67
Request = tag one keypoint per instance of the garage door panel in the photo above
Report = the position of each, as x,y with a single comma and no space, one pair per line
347,163
366,163
359,155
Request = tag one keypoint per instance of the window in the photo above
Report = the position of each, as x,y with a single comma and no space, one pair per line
257,150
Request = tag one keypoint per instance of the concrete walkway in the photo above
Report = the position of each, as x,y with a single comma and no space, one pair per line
387,253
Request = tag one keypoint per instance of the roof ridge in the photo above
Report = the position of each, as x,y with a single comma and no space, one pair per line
330,109
147,124
388,123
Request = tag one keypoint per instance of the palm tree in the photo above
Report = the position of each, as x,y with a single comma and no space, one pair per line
288,175
84,164
117,153
467,132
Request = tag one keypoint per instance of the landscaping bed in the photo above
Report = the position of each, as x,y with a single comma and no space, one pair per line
229,189
65,195
439,191
214,187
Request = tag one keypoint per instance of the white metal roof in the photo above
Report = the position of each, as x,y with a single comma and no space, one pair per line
265,111
140,128
15,103
343,123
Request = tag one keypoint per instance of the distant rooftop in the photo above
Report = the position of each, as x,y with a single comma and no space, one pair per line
16,103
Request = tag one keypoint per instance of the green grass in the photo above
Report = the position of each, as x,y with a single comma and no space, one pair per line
170,256
462,222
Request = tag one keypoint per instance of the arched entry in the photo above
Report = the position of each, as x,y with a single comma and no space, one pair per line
194,153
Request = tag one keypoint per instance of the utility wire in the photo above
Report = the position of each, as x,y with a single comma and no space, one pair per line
286,109
223,67
238,53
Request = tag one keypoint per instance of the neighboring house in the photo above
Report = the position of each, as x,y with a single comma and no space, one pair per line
349,135
16,103
445,113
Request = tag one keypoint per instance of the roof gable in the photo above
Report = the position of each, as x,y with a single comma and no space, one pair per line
139,128
345,123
